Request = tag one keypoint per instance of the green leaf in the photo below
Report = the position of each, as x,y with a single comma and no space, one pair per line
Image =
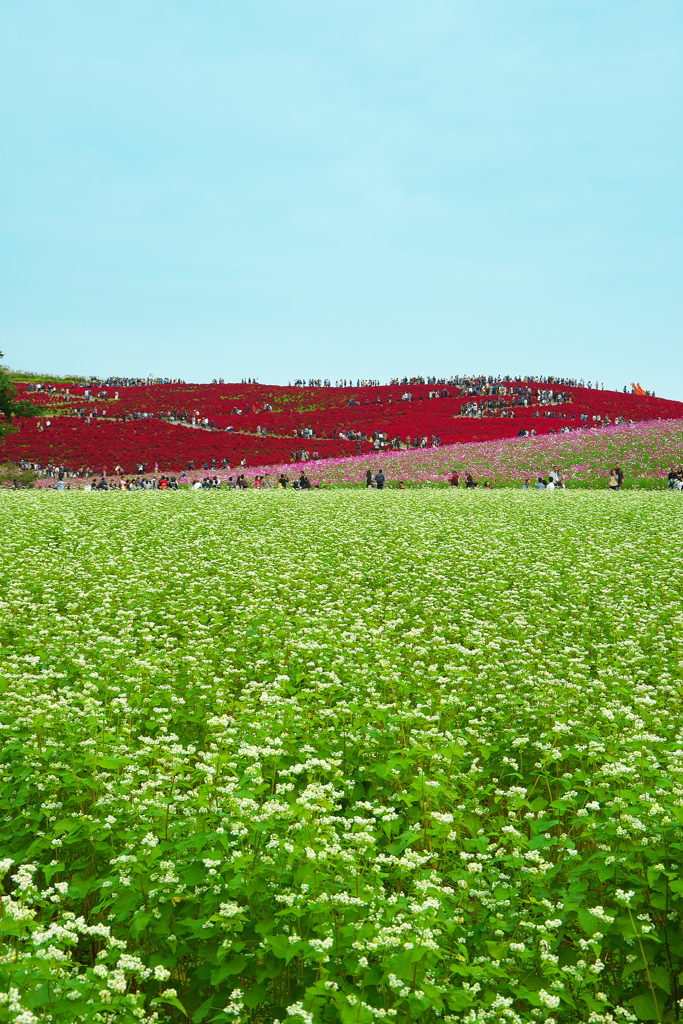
660,977
283,948
496,949
52,869
590,923
412,956
227,968
355,1014
254,995
201,1012
646,1008
172,1001
140,922
459,999
109,762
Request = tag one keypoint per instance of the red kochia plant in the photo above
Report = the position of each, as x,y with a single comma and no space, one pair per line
116,439
107,444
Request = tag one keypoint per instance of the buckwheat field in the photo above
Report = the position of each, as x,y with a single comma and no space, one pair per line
341,757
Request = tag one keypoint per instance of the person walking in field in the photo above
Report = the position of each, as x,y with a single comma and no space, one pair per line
620,476
379,480
368,478
613,480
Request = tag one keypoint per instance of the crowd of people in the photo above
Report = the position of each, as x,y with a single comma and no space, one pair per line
454,381
303,455
554,482
504,404
236,482
147,477
136,382
46,387
491,407
318,382
457,380
144,480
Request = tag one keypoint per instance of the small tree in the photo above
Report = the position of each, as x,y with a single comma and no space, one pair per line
10,408
13,475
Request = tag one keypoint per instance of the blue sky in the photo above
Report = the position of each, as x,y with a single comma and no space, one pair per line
336,188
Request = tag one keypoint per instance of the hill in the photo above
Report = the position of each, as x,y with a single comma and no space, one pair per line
179,426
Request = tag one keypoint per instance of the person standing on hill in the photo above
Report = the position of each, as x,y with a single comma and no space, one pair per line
368,478
620,476
379,480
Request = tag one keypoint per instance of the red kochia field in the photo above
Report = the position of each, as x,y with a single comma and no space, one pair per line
113,437
103,445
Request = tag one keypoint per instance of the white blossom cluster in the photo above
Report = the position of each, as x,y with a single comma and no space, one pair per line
319,757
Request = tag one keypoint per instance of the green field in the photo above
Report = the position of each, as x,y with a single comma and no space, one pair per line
341,756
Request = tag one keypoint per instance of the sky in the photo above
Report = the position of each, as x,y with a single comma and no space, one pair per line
335,188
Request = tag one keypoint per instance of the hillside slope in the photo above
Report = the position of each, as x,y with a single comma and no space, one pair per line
645,451
176,426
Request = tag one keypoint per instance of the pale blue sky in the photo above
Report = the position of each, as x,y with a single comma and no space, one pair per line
286,188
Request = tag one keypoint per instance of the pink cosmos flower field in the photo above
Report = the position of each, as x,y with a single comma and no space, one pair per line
645,450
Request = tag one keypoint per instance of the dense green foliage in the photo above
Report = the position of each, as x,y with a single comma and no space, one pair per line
341,757
10,405
29,375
